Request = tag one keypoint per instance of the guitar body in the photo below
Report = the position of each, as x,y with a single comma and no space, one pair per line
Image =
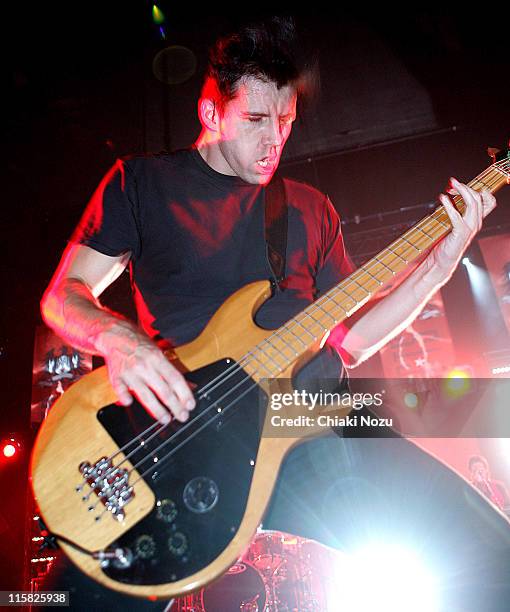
190,520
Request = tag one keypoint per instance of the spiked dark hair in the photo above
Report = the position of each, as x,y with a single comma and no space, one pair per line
263,50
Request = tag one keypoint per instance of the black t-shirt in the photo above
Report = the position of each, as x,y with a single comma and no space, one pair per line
196,236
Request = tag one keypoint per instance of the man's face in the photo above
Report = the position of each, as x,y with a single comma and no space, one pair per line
479,472
254,127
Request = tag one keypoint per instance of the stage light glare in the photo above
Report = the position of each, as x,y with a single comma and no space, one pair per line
157,15
504,445
411,400
457,382
457,373
386,578
9,450
10,447
466,261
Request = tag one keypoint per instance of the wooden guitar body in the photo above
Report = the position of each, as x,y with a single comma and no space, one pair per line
175,543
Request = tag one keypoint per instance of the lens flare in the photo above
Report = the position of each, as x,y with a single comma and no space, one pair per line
457,383
157,15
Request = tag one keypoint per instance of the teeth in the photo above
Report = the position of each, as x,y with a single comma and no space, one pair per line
263,163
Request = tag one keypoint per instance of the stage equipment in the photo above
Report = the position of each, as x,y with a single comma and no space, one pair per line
279,572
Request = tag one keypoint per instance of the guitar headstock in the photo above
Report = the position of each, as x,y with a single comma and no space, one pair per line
501,161
498,155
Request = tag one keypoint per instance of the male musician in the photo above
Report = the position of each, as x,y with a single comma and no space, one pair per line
481,478
189,225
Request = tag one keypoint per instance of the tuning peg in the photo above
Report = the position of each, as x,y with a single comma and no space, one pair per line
492,152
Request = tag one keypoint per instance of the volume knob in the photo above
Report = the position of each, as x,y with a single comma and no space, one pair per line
178,544
145,547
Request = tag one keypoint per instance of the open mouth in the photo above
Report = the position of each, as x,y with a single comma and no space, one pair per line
266,162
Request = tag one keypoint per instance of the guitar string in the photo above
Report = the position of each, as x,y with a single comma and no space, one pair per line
431,219
237,367
182,443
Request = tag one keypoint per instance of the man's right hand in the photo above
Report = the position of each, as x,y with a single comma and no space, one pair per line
136,366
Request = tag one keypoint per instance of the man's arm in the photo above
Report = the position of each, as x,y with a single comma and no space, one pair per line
135,364
390,316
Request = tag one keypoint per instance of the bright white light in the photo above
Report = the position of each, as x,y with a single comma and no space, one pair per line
479,279
504,444
9,450
384,578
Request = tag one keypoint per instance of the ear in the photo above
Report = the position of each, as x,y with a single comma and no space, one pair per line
208,114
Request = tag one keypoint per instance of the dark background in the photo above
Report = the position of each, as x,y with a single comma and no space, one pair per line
406,101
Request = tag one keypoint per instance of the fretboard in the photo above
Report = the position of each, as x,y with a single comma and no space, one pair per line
312,326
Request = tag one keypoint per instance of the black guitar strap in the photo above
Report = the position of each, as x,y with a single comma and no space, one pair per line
275,223
325,370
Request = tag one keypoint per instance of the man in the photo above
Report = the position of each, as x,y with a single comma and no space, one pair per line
191,227
481,478
247,108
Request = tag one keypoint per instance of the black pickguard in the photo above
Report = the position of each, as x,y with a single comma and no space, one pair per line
191,523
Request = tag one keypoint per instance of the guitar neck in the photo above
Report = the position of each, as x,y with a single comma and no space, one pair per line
311,327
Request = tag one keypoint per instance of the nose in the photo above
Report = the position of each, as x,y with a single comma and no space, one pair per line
273,135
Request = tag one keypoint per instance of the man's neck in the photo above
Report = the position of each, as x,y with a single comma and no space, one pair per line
207,146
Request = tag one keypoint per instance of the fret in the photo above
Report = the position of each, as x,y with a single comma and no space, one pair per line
269,356
438,221
254,356
329,297
484,184
280,337
289,330
314,338
349,297
424,232
316,305
370,274
361,287
397,255
285,344
445,225
411,244
459,203
383,264
501,171
306,313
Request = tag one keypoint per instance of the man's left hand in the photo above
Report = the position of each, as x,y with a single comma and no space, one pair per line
446,255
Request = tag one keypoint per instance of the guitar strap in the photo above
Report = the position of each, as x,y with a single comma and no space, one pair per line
275,224
322,370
